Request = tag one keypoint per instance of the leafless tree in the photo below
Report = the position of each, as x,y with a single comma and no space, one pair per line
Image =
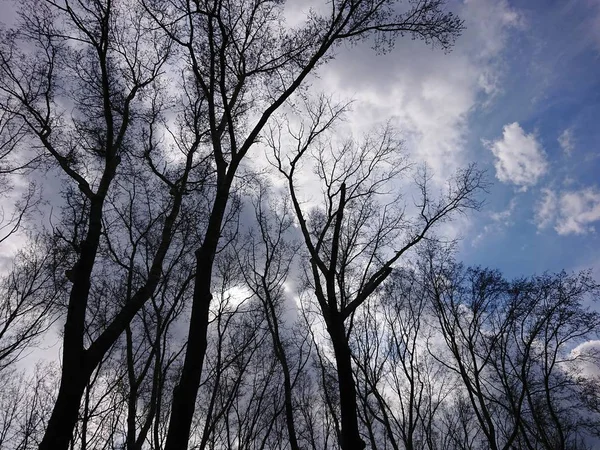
458,425
556,321
26,400
29,299
85,79
85,85
400,386
509,344
361,229
266,266
242,64
14,168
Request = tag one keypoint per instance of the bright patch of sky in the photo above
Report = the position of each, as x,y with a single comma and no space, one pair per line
519,158
519,94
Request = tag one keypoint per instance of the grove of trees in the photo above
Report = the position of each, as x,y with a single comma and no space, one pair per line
225,269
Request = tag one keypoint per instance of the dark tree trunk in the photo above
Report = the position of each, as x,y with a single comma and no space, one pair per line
66,409
280,354
184,394
350,435
75,370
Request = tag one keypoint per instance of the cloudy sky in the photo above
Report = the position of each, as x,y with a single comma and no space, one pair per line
519,95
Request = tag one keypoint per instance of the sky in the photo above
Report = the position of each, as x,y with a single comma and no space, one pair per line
519,95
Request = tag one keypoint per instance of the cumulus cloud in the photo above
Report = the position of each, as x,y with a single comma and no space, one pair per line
579,210
566,141
430,95
520,159
570,212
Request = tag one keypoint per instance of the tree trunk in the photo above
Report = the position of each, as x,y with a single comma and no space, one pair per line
184,394
75,369
350,435
64,416
287,382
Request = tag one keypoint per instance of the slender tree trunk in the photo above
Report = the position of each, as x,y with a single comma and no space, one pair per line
289,410
184,394
280,354
133,392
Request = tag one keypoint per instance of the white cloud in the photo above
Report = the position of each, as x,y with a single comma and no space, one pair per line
545,211
520,159
579,210
571,212
566,141
490,20
430,95
505,215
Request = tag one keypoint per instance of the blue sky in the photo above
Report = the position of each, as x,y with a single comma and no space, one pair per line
551,88
519,95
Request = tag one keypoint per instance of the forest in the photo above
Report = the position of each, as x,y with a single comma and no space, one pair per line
225,265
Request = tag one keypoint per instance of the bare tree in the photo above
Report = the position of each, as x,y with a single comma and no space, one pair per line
472,326
26,403
509,344
556,321
85,80
244,64
458,425
399,384
14,167
29,299
266,266
362,228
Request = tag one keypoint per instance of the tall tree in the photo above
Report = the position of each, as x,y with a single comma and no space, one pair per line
361,229
84,83
243,63
84,80
266,264
400,386
509,343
